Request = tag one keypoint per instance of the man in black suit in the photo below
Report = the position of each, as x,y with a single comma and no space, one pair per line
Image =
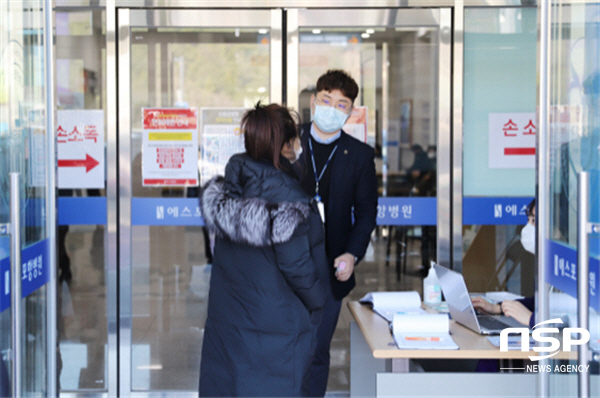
339,173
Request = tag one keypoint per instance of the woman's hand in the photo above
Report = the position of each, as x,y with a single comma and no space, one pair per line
516,310
484,306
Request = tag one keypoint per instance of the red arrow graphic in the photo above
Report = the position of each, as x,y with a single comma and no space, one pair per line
89,163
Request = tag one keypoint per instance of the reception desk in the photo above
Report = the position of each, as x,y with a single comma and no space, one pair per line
379,368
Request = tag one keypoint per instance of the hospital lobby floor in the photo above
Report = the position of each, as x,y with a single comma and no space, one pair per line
165,299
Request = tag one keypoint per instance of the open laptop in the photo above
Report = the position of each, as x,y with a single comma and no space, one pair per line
462,310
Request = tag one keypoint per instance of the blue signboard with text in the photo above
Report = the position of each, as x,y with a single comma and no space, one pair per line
495,211
34,267
166,211
34,272
407,211
561,271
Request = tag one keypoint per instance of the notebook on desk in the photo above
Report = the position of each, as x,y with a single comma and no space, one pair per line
461,308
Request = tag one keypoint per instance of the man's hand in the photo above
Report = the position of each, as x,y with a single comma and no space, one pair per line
344,266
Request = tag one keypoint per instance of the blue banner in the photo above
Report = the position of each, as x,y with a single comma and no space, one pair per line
166,211
407,211
35,261
390,211
561,271
495,211
82,211
186,211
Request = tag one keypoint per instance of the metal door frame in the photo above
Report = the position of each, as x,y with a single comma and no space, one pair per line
119,21
452,206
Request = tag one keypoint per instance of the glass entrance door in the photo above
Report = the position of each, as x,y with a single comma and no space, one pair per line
401,61
185,79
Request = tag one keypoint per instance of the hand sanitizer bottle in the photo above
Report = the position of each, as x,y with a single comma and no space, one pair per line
432,292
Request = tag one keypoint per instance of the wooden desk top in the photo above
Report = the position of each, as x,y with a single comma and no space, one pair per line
472,345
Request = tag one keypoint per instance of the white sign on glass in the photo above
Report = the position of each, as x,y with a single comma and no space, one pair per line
221,138
512,140
80,148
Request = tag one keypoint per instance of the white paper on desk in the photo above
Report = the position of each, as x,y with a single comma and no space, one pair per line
422,332
386,304
497,297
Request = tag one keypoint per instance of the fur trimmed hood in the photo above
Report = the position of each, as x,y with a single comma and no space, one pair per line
252,221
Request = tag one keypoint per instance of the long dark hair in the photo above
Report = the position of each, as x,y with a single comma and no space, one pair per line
529,208
267,128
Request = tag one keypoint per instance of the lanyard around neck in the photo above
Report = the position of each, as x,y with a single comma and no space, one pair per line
318,178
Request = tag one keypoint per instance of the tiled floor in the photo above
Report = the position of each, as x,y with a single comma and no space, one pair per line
169,286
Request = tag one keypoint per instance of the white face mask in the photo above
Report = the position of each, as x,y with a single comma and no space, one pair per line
297,152
528,238
328,119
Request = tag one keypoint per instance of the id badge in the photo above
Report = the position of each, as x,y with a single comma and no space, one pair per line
321,208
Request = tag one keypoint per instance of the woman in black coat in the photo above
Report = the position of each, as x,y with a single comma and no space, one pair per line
265,288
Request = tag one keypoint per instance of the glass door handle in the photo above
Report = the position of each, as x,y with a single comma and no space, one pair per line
15,280
583,282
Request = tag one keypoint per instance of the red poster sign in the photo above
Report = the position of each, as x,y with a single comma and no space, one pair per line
168,119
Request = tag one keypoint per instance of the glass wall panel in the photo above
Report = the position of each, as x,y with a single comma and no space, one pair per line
572,144
498,147
82,273
23,149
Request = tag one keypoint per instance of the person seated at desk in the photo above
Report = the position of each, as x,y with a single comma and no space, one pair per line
522,310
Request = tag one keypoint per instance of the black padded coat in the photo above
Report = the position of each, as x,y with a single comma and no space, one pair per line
265,288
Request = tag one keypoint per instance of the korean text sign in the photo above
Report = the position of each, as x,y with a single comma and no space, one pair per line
221,138
80,148
170,147
512,140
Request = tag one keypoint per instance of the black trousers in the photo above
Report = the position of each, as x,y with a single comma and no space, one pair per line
319,368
